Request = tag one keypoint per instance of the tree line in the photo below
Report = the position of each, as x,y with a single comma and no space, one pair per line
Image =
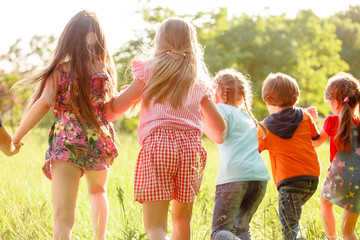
306,47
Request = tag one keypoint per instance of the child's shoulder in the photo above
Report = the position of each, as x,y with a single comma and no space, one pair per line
226,108
331,121
332,118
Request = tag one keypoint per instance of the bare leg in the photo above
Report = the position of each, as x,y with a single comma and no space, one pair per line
348,225
155,219
181,220
65,185
96,181
328,218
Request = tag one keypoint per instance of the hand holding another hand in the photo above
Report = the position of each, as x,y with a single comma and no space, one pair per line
313,112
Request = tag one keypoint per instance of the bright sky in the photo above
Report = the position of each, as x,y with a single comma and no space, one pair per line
26,18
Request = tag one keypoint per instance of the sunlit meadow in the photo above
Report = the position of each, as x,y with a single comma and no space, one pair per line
26,210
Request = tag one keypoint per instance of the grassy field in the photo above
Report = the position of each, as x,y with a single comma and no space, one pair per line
26,209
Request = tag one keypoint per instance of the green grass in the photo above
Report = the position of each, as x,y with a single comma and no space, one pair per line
26,208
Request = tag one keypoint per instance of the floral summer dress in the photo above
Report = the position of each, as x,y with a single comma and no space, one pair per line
342,182
72,142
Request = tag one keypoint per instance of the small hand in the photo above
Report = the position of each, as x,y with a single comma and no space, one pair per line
14,148
313,112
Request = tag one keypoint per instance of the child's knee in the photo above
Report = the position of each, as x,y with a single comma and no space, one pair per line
62,218
98,189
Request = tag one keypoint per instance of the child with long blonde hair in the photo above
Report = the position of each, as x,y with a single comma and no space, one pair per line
342,182
76,85
175,93
242,175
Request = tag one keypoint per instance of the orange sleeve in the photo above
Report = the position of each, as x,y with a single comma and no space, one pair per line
261,140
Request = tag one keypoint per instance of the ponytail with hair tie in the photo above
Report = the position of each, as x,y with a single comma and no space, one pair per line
344,88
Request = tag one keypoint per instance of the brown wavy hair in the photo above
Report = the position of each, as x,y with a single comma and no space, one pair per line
82,49
340,87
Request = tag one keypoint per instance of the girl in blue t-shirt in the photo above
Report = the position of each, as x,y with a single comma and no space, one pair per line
242,175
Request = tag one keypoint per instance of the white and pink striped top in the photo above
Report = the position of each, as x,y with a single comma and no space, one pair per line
164,115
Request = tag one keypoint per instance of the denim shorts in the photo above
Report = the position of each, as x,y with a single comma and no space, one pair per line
235,205
292,196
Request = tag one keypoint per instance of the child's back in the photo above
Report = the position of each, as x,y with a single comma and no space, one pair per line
72,138
239,156
76,84
288,140
164,115
294,162
242,175
341,185
174,102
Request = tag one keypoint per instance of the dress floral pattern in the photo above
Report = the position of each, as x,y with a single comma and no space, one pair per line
76,143
342,182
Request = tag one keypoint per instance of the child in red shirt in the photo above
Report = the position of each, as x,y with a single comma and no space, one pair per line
341,185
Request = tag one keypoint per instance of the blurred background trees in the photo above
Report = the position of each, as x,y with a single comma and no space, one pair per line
306,47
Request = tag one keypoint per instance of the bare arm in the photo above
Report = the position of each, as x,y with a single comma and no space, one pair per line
123,101
6,143
321,139
215,126
36,112
313,112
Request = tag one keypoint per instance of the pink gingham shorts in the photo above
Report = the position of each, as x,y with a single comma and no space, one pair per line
170,166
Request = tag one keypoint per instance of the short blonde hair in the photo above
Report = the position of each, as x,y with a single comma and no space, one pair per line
280,90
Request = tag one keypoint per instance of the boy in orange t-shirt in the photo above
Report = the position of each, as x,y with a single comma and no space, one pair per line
294,162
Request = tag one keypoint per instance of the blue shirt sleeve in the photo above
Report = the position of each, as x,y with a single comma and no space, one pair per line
222,111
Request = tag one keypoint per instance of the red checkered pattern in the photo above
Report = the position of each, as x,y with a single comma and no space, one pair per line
170,166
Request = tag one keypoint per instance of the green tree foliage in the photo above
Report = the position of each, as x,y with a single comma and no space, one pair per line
22,62
348,31
352,13
317,51
306,47
10,105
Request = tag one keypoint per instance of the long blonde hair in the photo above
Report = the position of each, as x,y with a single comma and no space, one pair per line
345,89
233,86
172,78
81,45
